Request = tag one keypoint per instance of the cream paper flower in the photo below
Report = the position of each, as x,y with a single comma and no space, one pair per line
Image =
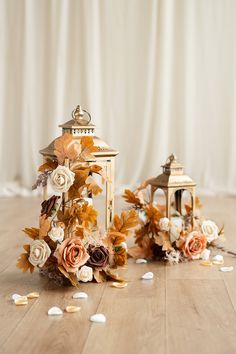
39,253
56,234
176,226
210,230
164,224
85,274
61,179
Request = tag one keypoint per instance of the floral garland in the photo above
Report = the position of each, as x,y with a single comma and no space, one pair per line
175,239
68,246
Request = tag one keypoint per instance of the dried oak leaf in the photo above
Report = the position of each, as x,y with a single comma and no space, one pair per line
131,198
49,165
65,147
111,275
153,216
32,232
140,233
71,276
44,226
79,184
87,215
163,240
115,238
99,276
120,256
92,186
64,217
128,220
143,250
87,148
23,261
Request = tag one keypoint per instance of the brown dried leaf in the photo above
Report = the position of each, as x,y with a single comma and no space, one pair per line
87,142
44,226
23,261
99,276
32,232
144,250
131,198
79,183
113,276
49,165
87,215
128,220
163,240
71,276
65,147
92,186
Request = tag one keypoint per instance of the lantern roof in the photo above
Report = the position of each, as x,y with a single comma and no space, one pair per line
80,126
173,175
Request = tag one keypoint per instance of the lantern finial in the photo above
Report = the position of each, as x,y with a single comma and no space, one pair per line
78,116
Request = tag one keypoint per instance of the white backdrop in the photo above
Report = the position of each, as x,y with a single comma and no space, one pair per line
157,76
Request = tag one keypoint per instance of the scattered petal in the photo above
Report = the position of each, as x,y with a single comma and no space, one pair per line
72,309
218,262
147,276
16,296
98,317
55,311
80,295
33,295
21,301
120,285
206,263
218,258
227,269
140,261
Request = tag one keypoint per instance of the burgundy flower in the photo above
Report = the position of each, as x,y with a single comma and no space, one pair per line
48,206
99,256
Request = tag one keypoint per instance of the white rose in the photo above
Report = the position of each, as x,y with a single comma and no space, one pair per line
62,179
56,234
164,224
176,226
210,230
85,274
39,253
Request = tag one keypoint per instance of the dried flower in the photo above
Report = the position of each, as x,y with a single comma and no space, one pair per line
173,257
164,224
62,179
210,230
39,253
56,234
85,274
49,205
99,256
71,254
194,245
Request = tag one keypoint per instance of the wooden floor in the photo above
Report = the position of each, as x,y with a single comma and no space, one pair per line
185,309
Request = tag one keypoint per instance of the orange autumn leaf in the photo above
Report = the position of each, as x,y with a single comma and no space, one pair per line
125,222
120,257
115,238
79,184
163,240
32,232
87,215
92,186
23,261
49,165
71,276
65,147
44,226
144,250
131,198
87,142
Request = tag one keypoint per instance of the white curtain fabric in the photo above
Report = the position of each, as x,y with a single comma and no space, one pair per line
156,76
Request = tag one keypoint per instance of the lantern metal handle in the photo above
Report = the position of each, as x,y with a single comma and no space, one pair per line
78,114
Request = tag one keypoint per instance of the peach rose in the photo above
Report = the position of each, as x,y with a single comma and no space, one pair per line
71,254
194,245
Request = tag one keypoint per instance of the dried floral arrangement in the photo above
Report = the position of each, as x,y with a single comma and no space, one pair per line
174,239
68,245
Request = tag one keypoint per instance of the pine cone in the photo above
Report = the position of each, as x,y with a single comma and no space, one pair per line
48,206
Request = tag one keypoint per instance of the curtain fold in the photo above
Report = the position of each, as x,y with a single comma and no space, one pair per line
157,76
